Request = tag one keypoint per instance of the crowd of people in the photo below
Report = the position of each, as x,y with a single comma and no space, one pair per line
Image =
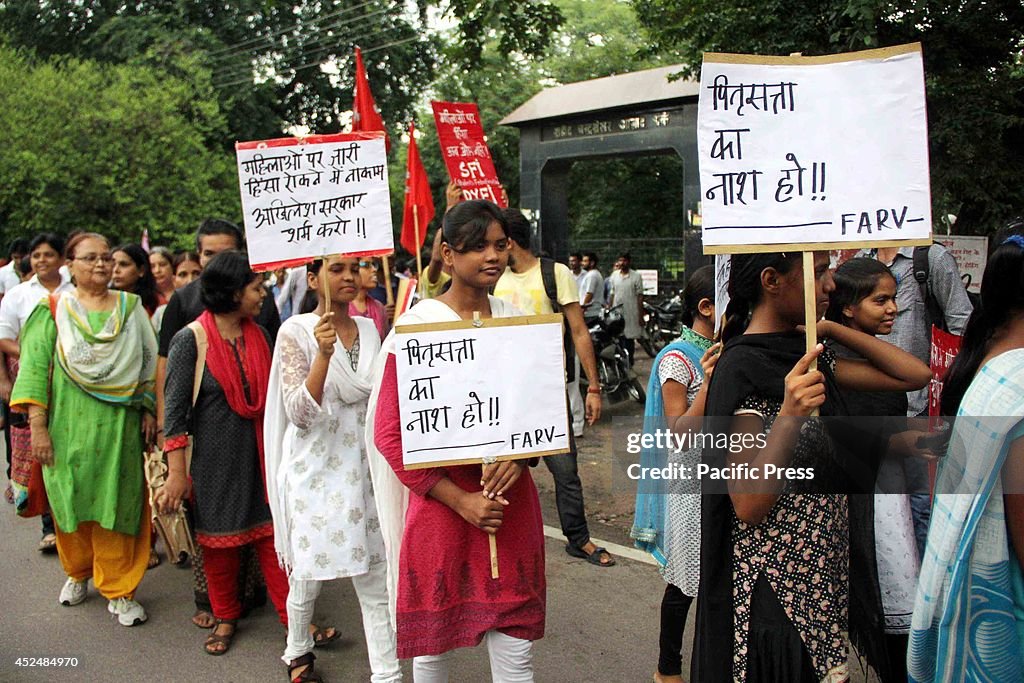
274,401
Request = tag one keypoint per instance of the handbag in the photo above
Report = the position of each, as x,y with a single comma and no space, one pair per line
173,527
32,501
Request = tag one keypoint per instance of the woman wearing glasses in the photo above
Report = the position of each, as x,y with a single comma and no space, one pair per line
88,356
364,305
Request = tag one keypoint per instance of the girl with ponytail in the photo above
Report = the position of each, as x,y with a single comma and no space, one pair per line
775,552
971,593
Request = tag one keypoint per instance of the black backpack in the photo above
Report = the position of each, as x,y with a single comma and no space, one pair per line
547,274
936,316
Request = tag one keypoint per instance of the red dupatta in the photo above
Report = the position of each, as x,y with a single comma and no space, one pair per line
255,354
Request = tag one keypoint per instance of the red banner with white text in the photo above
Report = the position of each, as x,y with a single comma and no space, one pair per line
465,151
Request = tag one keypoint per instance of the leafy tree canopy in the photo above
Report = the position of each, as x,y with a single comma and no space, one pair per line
973,72
109,148
278,64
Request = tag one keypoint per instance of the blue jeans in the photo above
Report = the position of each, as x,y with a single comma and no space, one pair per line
569,495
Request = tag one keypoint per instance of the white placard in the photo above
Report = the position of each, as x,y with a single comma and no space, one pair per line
650,280
813,150
470,393
309,197
971,254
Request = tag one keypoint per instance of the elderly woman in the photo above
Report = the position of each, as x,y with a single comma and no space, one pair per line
161,264
88,356
226,422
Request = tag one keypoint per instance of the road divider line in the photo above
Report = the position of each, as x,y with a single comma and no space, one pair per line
614,548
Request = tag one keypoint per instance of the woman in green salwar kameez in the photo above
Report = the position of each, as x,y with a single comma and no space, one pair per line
88,368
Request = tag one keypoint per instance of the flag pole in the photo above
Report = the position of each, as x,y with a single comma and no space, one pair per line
419,249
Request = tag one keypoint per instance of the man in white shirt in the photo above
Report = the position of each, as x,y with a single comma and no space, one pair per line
9,275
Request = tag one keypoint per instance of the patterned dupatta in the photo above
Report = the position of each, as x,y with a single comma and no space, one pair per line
648,530
118,363
964,626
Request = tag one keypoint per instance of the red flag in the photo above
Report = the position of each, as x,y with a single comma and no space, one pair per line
417,199
365,114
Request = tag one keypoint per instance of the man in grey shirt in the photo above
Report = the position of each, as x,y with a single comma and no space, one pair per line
591,285
912,333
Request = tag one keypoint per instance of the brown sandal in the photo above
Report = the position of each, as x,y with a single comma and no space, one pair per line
203,615
217,644
307,675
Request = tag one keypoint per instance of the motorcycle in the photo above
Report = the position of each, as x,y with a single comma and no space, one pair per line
663,322
606,328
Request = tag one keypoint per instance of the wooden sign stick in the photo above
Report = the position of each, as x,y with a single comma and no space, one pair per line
810,311
492,540
323,284
419,250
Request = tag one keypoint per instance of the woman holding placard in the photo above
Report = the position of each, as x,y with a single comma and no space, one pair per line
775,549
445,597
318,481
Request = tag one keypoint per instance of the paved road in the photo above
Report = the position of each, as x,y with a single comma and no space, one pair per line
602,623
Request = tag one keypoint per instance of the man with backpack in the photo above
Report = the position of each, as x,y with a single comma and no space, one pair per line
536,286
929,291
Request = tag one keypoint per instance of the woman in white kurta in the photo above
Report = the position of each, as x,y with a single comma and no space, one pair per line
318,481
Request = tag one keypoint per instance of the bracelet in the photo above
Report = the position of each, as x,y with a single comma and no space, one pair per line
594,390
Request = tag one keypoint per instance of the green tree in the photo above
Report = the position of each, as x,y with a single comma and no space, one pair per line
277,64
973,74
113,149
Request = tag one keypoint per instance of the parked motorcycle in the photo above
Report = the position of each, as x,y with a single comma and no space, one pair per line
663,322
606,328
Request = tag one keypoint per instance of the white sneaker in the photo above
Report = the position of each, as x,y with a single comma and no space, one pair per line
73,592
129,612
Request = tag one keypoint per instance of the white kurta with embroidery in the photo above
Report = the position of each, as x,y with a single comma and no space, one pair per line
318,480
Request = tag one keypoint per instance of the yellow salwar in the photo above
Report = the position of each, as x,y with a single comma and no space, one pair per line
116,562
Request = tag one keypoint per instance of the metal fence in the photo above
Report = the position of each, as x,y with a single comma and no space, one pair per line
664,254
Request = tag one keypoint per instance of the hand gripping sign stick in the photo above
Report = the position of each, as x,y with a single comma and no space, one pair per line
492,540
780,139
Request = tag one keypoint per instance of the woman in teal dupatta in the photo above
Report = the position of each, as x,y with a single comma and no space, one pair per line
88,365
667,522
968,622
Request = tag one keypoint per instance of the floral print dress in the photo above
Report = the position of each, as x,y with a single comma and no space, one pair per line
323,478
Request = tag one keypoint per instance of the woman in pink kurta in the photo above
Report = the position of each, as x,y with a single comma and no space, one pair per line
446,596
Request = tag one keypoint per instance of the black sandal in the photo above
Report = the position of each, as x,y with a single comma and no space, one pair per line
593,558
308,675
225,640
